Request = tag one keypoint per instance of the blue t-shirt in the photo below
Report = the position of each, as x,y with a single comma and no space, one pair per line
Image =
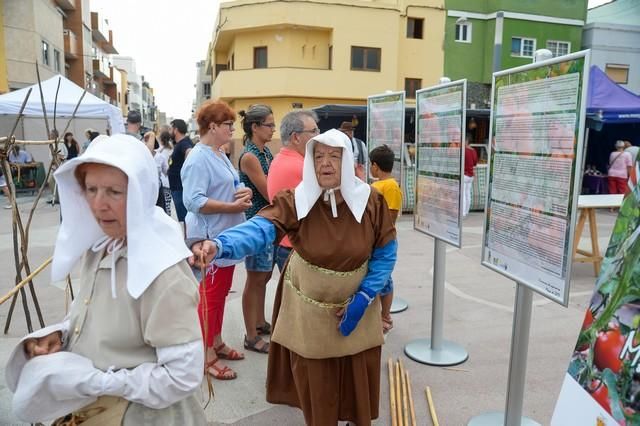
176,161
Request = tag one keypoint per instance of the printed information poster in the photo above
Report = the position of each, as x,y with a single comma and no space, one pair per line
440,130
602,384
537,123
385,126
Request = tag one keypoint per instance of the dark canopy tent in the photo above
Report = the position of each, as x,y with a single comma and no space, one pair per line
613,113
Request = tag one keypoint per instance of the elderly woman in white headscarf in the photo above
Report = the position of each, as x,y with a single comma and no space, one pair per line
130,351
325,349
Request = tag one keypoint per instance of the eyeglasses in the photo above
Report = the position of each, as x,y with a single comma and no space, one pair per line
228,123
269,125
312,131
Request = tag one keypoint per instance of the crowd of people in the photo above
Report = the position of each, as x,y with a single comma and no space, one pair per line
147,323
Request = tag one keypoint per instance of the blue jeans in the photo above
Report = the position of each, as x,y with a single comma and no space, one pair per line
282,254
181,210
260,262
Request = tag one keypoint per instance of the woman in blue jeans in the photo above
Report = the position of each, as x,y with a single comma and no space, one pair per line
259,126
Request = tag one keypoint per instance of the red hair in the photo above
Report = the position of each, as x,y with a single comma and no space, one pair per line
213,111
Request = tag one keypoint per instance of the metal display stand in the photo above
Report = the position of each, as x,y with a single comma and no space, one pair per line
435,350
517,366
527,280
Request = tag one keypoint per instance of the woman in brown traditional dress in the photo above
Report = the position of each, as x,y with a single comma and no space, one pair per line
325,349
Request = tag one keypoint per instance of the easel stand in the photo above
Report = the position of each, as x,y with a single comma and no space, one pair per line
436,351
517,367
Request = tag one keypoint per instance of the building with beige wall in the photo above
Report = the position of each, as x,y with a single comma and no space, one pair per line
35,34
305,54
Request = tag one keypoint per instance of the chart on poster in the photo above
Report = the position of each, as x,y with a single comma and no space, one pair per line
440,113
537,126
385,126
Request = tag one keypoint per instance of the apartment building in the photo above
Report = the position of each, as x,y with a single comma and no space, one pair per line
303,54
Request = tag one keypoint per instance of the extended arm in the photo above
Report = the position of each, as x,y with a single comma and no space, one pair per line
245,239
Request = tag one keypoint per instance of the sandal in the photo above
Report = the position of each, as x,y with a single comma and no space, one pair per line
231,354
224,373
252,345
264,329
387,325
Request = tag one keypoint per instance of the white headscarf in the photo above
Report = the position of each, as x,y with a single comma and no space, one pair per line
154,240
354,191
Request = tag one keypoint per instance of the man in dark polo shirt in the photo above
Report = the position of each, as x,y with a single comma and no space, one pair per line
182,146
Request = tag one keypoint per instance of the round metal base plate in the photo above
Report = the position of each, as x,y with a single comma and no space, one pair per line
449,353
496,418
398,305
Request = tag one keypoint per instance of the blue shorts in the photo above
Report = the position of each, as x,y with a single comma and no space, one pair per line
388,287
260,262
282,254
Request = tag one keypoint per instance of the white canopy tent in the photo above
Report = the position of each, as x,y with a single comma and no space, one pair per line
68,96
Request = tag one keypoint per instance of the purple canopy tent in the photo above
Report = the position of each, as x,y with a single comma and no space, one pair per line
610,103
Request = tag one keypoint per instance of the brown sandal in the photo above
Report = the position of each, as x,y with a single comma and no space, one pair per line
230,355
224,373
252,345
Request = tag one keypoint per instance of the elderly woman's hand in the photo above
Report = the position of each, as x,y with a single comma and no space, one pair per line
203,253
51,343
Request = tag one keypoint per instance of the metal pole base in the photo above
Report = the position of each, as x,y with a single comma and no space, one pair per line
449,353
496,418
398,305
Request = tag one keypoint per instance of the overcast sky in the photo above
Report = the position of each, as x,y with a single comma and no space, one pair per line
167,38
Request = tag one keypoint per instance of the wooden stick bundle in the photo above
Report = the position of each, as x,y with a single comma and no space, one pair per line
392,394
400,398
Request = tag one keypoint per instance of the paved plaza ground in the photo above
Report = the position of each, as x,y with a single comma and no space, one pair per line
478,315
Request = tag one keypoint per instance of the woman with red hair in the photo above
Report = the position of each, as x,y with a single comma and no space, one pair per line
215,201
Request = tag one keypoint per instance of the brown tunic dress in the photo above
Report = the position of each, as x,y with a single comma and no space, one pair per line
332,389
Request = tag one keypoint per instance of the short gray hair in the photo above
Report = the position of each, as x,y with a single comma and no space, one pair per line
292,122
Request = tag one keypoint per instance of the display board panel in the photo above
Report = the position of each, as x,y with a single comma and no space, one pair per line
440,130
537,127
385,126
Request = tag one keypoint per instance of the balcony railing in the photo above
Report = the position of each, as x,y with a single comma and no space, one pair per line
99,28
71,50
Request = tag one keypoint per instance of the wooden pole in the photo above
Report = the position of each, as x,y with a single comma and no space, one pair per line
411,407
392,394
403,385
432,408
398,396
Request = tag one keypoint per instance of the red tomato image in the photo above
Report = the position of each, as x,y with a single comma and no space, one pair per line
607,350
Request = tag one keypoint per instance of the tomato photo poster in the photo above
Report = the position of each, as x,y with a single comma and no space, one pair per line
602,384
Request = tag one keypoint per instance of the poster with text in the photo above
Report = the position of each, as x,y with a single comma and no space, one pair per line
537,126
602,384
385,126
440,129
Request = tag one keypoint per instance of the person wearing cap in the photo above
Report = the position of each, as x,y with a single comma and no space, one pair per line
134,123
326,343
359,149
619,169
130,350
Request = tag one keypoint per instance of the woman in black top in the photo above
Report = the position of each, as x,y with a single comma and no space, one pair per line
73,149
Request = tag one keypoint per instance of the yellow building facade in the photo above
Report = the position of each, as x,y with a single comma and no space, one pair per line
308,53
